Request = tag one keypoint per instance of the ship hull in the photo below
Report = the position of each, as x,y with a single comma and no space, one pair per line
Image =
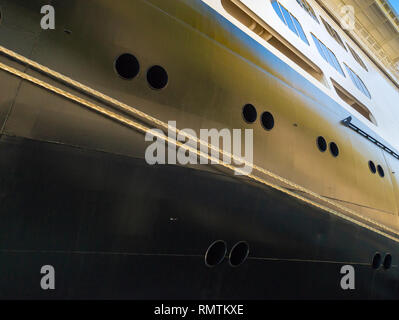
114,227
76,193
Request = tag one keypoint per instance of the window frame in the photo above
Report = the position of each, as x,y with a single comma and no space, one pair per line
282,15
309,10
334,34
329,56
358,82
356,56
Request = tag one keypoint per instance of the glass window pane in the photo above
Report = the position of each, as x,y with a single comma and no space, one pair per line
277,9
317,43
336,64
351,74
319,47
287,17
333,60
357,82
327,54
365,90
300,30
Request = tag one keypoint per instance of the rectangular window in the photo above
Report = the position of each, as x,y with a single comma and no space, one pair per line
333,34
289,20
358,82
300,30
276,7
328,55
306,6
357,58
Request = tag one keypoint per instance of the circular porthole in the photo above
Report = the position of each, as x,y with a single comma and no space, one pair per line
321,144
376,263
249,113
157,77
127,66
239,253
267,120
380,171
215,253
334,149
372,167
387,261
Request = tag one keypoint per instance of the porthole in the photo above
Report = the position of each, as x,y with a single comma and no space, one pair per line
380,171
334,149
239,253
157,77
372,167
321,144
127,66
249,113
387,261
267,121
215,253
376,263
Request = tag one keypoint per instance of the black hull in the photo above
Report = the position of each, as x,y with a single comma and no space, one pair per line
114,227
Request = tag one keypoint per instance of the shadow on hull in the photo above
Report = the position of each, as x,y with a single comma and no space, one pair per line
114,227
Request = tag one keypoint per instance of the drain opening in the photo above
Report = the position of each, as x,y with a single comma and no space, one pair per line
127,66
157,77
249,113
215,253
376,261
387,261
239,253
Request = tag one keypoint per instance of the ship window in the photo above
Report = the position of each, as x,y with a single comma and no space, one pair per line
257,26
267,121
353,102
239,253
249,113
321,144
334,149
376,263
387,261
127,66
157,77
372,167
358,82
305,5
289,20
215,253
328,55
380,171
333,33
357,58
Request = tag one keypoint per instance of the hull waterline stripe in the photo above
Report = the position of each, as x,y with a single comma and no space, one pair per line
160,123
